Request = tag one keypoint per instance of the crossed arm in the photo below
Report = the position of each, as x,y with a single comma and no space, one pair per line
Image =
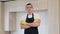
28,25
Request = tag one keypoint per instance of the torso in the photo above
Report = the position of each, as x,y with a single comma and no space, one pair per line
31,30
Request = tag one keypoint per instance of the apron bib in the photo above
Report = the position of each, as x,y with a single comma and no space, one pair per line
31,30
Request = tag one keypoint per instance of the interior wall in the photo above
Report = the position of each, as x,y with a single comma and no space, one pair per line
2,20
0,17
19,5
53,16
43,28
59,16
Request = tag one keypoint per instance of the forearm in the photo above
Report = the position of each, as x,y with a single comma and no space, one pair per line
24,26
34,24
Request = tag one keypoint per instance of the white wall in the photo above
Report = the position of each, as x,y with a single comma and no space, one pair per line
43,28
6,21
19,5
53,16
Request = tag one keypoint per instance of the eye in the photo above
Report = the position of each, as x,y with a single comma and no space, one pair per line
27,7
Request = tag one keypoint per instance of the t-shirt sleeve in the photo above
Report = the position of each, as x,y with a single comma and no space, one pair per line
36,16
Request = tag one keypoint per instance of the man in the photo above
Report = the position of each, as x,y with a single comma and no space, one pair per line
31,26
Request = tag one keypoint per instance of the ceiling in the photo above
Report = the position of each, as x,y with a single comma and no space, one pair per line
6,0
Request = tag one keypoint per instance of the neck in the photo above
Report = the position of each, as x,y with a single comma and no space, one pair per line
29,13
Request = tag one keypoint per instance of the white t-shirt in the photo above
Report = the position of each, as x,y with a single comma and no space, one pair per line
35,16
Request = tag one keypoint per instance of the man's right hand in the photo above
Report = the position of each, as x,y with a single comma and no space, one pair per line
25,26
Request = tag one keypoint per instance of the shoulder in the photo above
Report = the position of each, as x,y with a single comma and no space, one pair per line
36,15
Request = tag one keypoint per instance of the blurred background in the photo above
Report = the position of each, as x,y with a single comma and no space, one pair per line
12,10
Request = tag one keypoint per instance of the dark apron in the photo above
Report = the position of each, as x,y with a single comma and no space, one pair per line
31,30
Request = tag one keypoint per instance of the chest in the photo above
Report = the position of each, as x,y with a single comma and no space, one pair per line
30,19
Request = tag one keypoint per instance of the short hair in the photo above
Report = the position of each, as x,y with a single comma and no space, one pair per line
29,4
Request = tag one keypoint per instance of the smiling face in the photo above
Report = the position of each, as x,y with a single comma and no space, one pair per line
29,8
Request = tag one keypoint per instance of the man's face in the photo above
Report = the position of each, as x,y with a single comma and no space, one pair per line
29,8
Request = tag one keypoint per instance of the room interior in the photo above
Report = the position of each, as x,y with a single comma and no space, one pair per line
10,13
